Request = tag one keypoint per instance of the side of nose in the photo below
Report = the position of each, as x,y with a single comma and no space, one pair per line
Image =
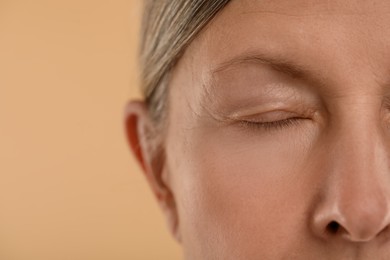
354,204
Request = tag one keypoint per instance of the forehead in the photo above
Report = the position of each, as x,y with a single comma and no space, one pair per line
311,7
331,38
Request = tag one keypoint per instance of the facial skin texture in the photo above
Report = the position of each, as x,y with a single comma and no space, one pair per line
314,186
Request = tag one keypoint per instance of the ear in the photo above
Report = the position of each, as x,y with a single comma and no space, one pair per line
149,152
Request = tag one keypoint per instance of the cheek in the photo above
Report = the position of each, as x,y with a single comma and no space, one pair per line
241,192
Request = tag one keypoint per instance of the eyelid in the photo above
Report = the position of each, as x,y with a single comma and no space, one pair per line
273,125
273,120
271,116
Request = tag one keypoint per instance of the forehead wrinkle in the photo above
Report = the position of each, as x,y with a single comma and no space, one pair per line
307,8
327,12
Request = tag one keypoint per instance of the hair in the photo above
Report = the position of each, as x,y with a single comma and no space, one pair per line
168,27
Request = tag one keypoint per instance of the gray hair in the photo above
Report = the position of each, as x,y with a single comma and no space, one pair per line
168,28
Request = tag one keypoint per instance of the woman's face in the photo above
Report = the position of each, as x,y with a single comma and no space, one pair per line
278,139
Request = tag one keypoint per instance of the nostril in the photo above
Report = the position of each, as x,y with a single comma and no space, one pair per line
333,227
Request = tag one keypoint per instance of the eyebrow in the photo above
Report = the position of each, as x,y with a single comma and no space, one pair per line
279,64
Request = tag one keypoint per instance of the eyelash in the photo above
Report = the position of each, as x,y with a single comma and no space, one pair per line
274,125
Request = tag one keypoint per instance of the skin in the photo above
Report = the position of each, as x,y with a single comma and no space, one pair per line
234,185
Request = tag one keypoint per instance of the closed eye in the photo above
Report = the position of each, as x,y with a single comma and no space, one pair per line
273,125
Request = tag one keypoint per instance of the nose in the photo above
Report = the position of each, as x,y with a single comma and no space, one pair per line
353,217
353,204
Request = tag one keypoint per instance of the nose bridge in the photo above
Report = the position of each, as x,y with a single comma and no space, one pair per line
358,146
358,196
357,134
360,173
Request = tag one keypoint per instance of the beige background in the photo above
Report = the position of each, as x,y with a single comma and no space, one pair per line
69,188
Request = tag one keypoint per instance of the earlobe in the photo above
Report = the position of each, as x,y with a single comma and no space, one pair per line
140,133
